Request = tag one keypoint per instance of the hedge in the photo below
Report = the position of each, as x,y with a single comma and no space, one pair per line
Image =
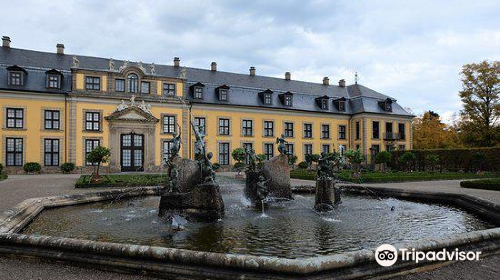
384,177
466,160
486,184
122,181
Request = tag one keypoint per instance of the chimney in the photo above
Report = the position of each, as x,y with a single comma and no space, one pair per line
60,48
342,83
326,81
6,41
252,71
177,62
288,76
213,66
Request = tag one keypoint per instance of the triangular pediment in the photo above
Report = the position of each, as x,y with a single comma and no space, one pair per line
132,114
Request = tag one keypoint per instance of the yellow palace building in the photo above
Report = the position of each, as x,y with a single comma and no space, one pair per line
57,107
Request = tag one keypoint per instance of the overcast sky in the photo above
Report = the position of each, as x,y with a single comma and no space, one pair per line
410,50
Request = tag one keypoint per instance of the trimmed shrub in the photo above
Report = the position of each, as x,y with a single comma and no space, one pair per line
407,160
303,165
239,166
292,159
486,184
67,167
32,167
239,154
467,160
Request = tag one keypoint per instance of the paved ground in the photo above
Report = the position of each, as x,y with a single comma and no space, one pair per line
19,187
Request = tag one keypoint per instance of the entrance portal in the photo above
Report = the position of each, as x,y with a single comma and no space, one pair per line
132,152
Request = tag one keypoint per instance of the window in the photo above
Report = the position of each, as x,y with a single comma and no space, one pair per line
145,86
325,148
375,130
308,149
224,127
342,132
268,99
224,153
90,144
200,123
268,128
324,104
308,130
358,129
268,151
223,94
388,106
388,130
15,78
120,85
289,149
93,83
325,131
342,149
169,124
168,89
402,147
15,118
358,146
132,83
247,146
167,145
288,101
247,128
14,151
198,92
53,81
52,119
342,106
51,152
389,147
375,149
401,128
288,129
93,121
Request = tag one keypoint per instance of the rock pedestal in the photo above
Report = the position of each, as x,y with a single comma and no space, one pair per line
278,170
202,204
327,196
252,178
189,173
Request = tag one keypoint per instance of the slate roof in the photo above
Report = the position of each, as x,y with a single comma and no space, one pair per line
243,88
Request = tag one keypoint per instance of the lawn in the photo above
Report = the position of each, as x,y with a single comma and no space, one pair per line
485,184
125,180
383,177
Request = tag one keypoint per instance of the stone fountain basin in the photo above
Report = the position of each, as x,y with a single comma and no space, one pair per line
188,264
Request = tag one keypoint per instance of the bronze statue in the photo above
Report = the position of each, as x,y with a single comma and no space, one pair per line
325,166
199,146
173,178
262,190
282,144
252,158
176,144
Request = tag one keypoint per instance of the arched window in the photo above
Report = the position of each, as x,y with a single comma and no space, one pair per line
133,81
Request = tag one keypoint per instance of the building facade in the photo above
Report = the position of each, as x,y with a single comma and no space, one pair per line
57,107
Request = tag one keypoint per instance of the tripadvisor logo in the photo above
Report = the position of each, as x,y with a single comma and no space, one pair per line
387,255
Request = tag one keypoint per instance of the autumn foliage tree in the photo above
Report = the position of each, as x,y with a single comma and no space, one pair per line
430,133
480,116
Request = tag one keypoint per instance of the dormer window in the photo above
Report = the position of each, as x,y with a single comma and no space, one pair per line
223,92
197,90
287,99
53,79
266,97
16,76
386,105
322,102
340,104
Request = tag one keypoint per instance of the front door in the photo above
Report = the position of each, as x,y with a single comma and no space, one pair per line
132,152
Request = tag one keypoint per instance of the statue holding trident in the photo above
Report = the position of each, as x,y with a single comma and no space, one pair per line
282,144
176,144
199,145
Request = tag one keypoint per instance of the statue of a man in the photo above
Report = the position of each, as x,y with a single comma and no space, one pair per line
208,170
121,106
76,62
325,166
111,65
176,145
173,177
132,101
282,144
252,158
262,190
152,69
199,146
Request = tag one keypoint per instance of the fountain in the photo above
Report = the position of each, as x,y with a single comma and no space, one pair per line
193,192
327,196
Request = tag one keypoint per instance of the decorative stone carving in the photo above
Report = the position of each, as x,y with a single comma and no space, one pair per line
121,106
132,101
140,66
111,65
152,69
278,170
76,62
144,107
183,73
327,196
124,66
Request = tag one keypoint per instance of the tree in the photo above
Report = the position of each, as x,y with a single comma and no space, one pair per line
310,158
481,103
355,158
430,133
98,156
239,155
383,158
407,160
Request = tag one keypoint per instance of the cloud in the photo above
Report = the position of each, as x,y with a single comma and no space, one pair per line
410,50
